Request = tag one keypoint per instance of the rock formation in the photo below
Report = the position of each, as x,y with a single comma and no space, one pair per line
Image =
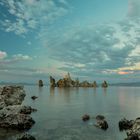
16,117
11,95
12,114
101,122
85,117
131,127
40,83
104,84
85,84
52,82
125,124
67,81
95,84
34,97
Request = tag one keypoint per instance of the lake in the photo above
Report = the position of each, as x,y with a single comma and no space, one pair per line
60,111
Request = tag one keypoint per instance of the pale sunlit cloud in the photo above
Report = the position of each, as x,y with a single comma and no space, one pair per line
125,72
3,55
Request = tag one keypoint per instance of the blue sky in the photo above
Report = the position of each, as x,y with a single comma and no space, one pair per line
91,39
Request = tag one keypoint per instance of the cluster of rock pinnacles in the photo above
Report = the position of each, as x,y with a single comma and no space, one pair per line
67,81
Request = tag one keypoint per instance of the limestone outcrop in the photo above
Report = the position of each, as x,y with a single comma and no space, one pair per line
11,95
104,84
52,82
67,81
16,117
131,127
40,83
101,122
12,114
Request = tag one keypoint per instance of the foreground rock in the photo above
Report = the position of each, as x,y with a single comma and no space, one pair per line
125,124
101,122
26,136
12,114
132,128
11,95
16,117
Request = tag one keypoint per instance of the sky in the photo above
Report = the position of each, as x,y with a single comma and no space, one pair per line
91,39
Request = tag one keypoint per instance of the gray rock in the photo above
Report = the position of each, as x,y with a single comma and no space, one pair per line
132,128
125,124
11,95
34,97
100,117
85,117
101,122
16,117
26,136
12,113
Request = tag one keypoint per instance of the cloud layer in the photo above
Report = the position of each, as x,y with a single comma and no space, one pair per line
3,55
98,50
27,15
86,50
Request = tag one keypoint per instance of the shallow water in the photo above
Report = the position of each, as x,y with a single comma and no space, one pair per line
60,110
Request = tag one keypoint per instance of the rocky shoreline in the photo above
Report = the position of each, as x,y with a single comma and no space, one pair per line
14,115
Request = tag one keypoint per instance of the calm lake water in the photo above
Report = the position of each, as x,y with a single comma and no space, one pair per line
60,111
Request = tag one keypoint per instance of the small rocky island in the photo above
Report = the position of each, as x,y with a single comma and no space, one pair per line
67,81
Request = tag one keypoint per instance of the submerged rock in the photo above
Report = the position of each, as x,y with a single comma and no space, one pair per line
85,117
34,97
26,136
101,122
100,117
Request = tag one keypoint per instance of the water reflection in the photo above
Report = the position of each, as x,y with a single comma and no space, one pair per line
105,91
60,110
40,89
52,91
94,91
66,93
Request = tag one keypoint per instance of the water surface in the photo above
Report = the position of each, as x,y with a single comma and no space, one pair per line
60,110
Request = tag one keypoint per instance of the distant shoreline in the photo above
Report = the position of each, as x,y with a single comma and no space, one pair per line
135,84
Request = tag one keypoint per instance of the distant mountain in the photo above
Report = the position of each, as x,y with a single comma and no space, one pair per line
131,84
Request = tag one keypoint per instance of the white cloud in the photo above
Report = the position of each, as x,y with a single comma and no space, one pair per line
30,14
3,55
20,57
